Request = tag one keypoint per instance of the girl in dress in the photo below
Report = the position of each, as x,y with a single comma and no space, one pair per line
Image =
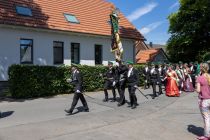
203,88
172,86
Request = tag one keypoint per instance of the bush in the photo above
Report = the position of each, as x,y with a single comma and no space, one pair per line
140,70
38,81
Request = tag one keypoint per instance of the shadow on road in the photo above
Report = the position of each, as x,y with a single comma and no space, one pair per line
195,130
6,114
79,109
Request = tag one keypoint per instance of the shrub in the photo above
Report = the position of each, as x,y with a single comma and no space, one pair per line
27,81
36,81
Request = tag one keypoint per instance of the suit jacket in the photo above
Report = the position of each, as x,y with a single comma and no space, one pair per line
110,75
155,76
133,79
122,71
77,81
146,74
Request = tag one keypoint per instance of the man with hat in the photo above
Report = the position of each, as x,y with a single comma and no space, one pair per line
155,80
110,82
133,80
122,71
162,76
192,73
76,80
146,74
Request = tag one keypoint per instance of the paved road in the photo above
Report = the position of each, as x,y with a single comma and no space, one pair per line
164,118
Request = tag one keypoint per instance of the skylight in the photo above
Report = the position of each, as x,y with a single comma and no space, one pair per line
25,11
71,18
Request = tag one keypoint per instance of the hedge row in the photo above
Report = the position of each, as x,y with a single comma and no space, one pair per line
39,81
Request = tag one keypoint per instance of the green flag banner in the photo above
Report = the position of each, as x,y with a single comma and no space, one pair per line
116,45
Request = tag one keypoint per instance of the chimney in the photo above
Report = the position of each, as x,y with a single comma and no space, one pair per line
150,44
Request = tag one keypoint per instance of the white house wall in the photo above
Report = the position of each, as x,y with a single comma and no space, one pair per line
43,48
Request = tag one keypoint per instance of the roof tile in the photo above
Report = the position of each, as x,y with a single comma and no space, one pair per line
147,55
92,14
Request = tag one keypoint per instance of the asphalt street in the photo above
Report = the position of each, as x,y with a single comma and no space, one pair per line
164,118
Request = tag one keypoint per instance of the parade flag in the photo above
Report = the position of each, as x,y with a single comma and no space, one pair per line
116,45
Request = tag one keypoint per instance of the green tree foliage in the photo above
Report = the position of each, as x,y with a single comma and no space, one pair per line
190,31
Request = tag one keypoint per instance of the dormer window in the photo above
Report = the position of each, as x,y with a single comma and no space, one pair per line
71,18
25,11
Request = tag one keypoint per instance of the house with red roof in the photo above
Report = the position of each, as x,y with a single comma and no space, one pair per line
152,55
43,32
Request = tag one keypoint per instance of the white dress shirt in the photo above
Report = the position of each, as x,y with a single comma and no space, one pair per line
129,71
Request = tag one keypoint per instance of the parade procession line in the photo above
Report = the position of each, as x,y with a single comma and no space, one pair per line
44,119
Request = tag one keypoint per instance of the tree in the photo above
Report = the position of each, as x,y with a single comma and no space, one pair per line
190,31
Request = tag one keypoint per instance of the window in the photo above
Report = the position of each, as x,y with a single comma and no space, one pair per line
25,11
98,54
75,53
58,52
26,51
71,18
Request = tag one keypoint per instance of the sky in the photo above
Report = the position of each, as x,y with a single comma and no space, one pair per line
149,17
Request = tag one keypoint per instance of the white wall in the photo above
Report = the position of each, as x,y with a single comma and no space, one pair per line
43,48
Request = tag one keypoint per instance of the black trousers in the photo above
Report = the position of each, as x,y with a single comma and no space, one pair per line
132,95
146,83
76,97
108,85
121,90
154,84
193,80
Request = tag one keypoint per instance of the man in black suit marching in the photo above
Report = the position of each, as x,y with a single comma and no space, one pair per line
122,71
76,80
155,80
133,80
110,82
146,74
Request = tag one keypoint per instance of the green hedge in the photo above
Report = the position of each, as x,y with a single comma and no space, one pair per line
39,81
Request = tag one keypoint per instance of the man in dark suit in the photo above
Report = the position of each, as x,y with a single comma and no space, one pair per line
162,76
155,80
110,82
122,71
165,68
133,81
76,80
146,74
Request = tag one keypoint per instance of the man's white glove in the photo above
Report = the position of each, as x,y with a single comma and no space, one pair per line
69,80
114,83
78,91
136,86
117,64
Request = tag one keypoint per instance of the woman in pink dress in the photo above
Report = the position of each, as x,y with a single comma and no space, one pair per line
172,86
203,88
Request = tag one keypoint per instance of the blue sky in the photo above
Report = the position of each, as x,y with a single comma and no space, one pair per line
149,17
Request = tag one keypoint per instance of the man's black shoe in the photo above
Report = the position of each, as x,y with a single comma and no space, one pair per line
86,110
129,106
114,100
133,107
68,111
105,100
119,104
153,97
